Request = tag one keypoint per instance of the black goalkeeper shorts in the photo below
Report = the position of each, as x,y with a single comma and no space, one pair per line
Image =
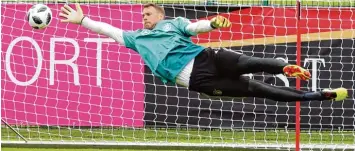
218,72
212,74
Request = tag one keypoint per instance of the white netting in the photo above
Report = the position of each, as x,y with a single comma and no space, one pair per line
86,80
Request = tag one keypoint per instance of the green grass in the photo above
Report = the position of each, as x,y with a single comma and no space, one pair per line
170,135
177,135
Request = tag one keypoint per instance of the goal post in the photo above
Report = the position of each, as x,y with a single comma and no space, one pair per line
67,86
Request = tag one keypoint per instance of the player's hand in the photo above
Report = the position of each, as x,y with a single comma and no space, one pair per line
71,15
220,21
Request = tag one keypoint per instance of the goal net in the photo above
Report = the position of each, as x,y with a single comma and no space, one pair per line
68,85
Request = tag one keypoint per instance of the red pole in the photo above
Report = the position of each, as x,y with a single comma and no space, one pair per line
298,82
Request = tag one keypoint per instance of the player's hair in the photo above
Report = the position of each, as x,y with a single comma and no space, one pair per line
157,7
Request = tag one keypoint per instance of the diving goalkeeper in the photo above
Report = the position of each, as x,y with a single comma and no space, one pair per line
167,49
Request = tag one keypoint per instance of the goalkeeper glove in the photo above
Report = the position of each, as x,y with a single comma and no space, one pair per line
219,22
71,15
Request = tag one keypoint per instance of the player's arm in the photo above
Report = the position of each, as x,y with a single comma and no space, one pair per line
77,17
203,26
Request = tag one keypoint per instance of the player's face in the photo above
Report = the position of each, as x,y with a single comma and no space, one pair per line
151,17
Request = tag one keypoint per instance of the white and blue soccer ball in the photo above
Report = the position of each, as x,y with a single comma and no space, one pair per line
39,16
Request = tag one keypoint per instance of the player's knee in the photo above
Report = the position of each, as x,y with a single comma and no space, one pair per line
251,62
254,86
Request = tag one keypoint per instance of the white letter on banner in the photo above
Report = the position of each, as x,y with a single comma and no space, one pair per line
282,76
67,62
314,70
99,42
39,61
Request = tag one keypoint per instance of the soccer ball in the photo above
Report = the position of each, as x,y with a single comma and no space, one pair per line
39,16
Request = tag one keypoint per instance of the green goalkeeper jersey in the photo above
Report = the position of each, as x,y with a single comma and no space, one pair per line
166,49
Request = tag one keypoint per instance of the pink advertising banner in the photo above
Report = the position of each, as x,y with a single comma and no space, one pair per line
68,75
